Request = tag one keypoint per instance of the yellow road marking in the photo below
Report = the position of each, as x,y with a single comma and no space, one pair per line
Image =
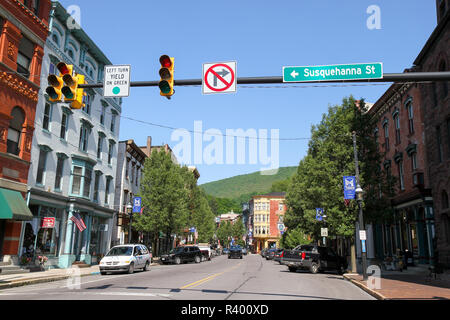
201,281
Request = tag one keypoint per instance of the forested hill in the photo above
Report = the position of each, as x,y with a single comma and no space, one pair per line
251,183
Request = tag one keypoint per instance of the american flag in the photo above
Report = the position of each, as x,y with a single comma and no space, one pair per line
78,221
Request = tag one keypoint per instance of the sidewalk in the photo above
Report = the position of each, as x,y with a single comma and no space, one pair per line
411,284
22,279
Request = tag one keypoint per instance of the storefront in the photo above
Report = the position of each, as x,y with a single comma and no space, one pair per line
62,239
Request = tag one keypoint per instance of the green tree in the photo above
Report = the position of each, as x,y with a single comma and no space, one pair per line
238,230
293,238
318,182
224,233
164,197
281,186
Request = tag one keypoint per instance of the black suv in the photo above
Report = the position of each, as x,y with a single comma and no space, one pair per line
182,254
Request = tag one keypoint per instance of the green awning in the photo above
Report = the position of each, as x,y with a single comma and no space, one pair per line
13,206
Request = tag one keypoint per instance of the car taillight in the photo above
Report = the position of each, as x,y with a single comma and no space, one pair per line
282,254
303,255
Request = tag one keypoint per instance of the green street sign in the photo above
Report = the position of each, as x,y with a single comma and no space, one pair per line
359,71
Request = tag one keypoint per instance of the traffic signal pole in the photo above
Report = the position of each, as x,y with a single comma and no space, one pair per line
387,77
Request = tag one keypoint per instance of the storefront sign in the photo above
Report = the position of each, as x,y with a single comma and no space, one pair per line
48,222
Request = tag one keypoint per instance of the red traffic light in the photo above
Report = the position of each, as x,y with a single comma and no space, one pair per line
165,61
63,68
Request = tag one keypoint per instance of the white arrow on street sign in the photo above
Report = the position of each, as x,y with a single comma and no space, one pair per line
294,74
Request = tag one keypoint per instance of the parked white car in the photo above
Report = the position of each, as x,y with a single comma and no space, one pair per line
206,252
126,258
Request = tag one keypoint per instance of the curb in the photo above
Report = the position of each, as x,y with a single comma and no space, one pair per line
373,293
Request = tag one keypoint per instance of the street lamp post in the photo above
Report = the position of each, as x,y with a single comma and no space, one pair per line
359,198
130,214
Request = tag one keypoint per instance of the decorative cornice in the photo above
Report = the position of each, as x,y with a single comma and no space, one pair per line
18,85
396,95
32,15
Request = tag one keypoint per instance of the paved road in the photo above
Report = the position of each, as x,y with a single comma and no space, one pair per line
250,278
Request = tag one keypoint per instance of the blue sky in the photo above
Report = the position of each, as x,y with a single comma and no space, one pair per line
262,36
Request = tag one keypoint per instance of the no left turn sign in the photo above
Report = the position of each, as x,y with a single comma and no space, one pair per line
219,77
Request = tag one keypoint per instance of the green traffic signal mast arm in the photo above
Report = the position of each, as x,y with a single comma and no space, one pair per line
387,77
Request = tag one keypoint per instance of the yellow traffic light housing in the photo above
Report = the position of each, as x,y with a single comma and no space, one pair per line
54,88
78,101
166,74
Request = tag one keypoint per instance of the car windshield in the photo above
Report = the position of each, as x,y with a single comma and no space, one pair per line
235,248
120,251
176,250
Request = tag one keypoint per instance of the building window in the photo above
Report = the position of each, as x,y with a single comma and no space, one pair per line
64,124
59,173
96,186
99,147
414,161
70,54
25,56
84,138
137,175
409,107
108,183
41,166
439,143
386,136
400,175
127,168
113,122
87,102
102,116
110,151
52,68
397,128
81,178
55,40
14,131
47,116
444,198
133,168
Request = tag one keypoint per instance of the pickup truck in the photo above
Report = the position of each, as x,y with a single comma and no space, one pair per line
313,257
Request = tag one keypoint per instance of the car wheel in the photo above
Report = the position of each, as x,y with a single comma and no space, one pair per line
147,266
341,270
131,268
241,257
314,268
292,269
177,260
102,273
197,259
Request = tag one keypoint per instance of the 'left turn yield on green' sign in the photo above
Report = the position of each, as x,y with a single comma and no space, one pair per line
116,82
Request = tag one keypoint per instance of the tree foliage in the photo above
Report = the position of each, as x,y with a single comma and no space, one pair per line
318,182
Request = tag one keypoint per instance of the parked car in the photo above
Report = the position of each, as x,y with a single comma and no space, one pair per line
225,251
126,258
207,252
315,258
182,254
278,255
263,253
235,252
270,253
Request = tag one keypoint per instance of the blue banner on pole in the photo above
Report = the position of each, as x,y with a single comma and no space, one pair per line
137,202
319,214
363,244
349,187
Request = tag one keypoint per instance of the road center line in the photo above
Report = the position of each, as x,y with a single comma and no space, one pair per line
201,281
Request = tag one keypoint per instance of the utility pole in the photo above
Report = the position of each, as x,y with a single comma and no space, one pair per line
359,199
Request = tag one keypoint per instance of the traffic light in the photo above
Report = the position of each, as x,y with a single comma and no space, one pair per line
166,74
79,94
54,88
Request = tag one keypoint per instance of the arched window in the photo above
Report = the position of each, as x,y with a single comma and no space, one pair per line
70,53
14,130
445,227
444,200
55,39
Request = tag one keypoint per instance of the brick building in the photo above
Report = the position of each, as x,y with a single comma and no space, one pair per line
435,56
266,213
413,132
24,27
